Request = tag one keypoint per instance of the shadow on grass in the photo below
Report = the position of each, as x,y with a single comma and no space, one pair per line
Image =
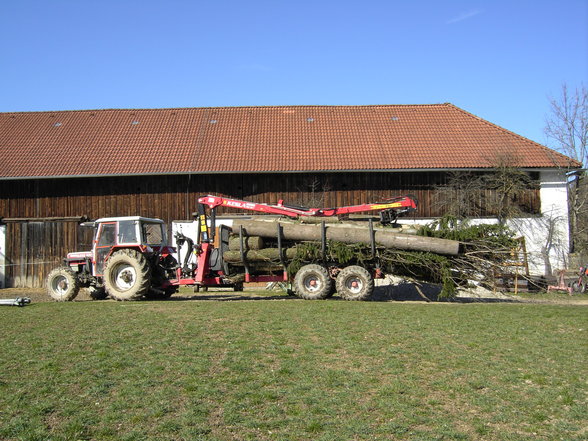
226,296
408,292
403,292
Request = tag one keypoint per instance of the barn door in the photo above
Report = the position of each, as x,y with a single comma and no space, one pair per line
34,248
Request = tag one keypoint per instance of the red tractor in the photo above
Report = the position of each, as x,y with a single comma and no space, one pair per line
131,259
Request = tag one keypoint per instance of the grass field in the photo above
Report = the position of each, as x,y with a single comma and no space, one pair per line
293,370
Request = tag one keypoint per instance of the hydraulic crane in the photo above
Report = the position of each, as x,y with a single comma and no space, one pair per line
389,209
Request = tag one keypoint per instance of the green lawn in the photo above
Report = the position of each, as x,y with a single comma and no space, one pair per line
293,370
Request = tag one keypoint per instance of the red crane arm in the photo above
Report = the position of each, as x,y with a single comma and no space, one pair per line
399,204
218,201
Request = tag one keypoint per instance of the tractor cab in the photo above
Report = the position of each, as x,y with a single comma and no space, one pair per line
141,233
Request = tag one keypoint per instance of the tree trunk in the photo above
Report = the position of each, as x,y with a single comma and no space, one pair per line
350,234
250,243
265,255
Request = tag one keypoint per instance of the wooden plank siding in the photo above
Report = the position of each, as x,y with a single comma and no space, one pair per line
174,197
34,248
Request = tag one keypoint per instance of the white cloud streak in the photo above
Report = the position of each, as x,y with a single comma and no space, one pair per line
464,16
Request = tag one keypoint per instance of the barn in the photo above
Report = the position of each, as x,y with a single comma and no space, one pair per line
59,168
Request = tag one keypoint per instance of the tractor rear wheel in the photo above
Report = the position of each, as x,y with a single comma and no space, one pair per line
355,283
63,284
312,282
127,275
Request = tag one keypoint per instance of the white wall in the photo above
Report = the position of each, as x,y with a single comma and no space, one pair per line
190,229
547,236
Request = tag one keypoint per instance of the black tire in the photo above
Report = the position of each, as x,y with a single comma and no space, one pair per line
97,293
238,287
127,275
355,283
63,284
159,294
170,291
312,282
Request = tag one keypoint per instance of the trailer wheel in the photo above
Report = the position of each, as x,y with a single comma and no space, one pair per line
63,284
127,275
354,283
312,282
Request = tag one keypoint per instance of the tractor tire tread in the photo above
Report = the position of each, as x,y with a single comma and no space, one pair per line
73,284
359,272
323,277
134,258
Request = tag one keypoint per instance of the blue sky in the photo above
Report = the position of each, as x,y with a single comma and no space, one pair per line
500,60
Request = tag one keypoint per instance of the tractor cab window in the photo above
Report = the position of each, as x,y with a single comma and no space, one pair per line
127,231
107,235
153,234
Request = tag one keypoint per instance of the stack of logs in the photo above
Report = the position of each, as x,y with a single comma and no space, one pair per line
259,233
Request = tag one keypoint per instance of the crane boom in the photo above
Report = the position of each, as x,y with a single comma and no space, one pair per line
394,206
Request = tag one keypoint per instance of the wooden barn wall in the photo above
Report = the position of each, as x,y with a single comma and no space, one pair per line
34,248
174,197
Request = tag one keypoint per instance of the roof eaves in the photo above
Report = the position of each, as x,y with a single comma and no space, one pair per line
228,172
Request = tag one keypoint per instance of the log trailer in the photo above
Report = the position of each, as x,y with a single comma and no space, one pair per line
131,259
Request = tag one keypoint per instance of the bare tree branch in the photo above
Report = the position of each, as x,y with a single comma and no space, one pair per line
566,129
567,126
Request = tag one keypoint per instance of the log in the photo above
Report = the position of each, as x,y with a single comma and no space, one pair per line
257,267
350,234
250,242
265,255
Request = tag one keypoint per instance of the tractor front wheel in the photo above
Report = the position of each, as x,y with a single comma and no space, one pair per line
63,284
312,282
127,275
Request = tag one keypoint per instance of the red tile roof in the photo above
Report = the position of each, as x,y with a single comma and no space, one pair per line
258,139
